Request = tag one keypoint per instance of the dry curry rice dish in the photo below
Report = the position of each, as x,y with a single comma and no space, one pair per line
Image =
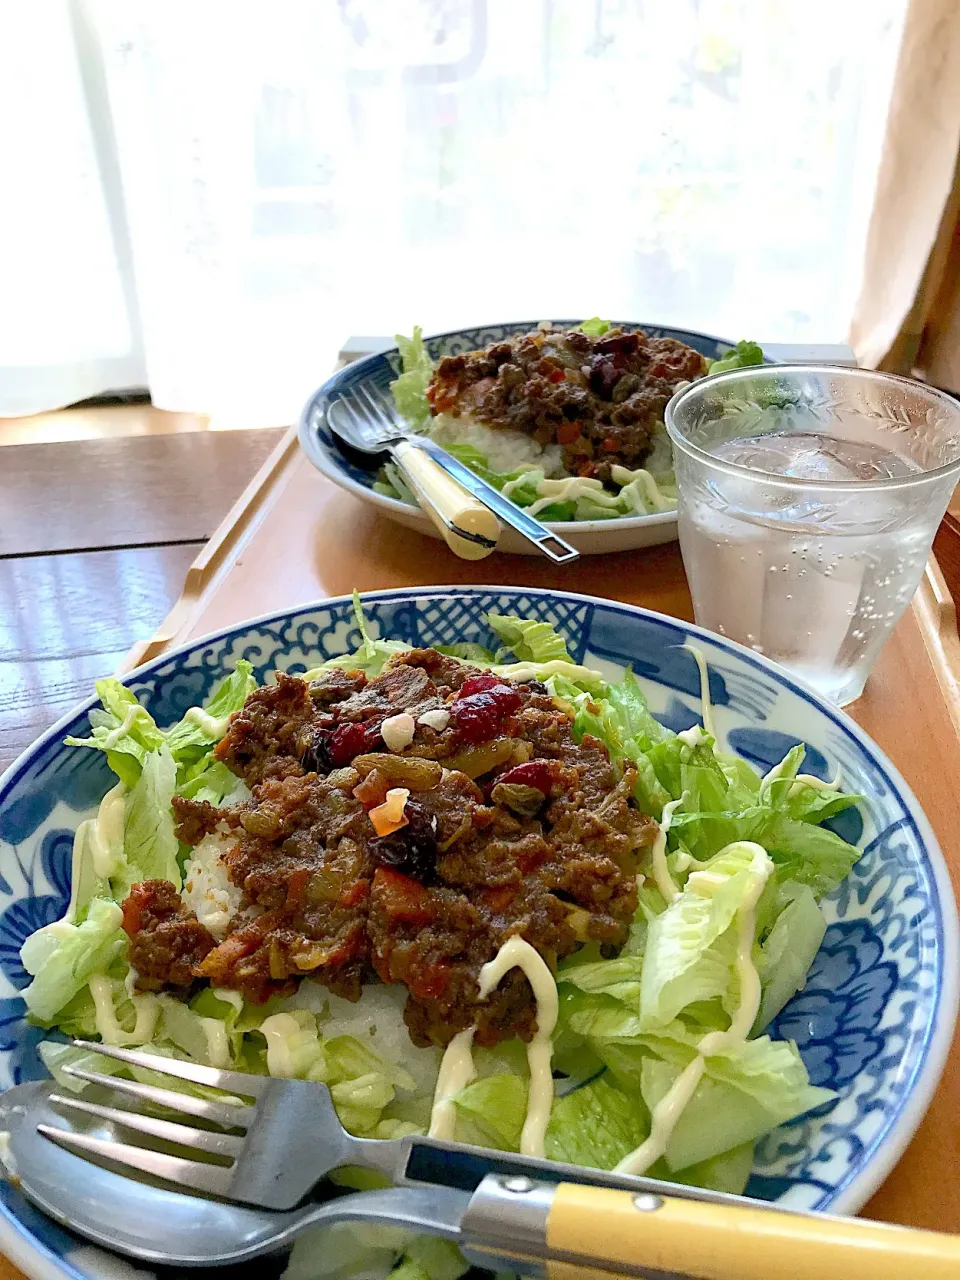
480,893
566,422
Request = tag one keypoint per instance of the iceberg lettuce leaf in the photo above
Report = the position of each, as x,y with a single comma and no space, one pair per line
410,388
150,843
596,1125
63,960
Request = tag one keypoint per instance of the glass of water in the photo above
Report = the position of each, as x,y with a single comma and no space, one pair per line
809,498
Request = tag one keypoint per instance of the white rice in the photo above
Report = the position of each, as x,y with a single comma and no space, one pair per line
504,450
207,889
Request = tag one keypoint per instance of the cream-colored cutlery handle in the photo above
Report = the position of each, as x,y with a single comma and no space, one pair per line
612,1229
467,527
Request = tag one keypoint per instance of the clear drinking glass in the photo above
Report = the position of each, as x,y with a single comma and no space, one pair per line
809,498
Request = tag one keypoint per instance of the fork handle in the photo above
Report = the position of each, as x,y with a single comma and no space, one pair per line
578,1232
464,523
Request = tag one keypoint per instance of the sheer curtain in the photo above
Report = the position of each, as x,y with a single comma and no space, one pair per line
211,194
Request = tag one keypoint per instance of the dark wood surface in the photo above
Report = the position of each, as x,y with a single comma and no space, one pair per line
96,537
139,491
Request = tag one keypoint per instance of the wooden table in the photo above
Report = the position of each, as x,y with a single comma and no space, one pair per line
83,577
96,537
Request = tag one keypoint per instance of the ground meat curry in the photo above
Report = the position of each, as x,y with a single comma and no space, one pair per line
600,398
507,826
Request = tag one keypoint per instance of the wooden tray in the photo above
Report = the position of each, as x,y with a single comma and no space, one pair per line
293,537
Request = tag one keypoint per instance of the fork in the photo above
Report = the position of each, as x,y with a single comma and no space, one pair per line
367,420
506,1212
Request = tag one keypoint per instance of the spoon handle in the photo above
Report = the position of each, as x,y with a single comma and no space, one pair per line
468,527
537,534
593,1233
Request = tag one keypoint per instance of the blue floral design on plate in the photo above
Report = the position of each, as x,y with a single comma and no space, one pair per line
875,1019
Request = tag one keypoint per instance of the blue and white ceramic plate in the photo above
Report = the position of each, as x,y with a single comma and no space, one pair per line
590,537
876,1017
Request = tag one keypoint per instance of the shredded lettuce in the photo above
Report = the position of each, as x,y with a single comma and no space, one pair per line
595,327
743,354
529,640
62,962
468,652
788,952
122,728
491,1111
150,844
597,1124
744,1094
370,657
190,740
409,389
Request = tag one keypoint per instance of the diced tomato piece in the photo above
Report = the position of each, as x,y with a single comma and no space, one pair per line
133,907
356,894
499,897
217,964
567,432
297,888
430,982
558,375
609,444
402,898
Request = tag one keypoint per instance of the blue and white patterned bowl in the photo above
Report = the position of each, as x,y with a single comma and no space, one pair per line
877,1014
590,537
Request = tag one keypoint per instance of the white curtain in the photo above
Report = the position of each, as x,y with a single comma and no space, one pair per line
206,196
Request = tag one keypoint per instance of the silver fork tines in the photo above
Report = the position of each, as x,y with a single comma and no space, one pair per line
229,1081
378,405
230,1115
201,1175
214,1179
277,1148
219,1144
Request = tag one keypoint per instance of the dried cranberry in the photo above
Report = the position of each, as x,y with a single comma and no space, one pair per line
332,748
478,684
604,376
413,849
479,716
535,773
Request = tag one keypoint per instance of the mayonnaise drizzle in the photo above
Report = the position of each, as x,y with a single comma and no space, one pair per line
456,1072
639,490
457,1068
206,723
567,490
517,953
131,716
706,705
108,1027
106,833
543,670
667,1112
693,737
278,1030
811,780
661,872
